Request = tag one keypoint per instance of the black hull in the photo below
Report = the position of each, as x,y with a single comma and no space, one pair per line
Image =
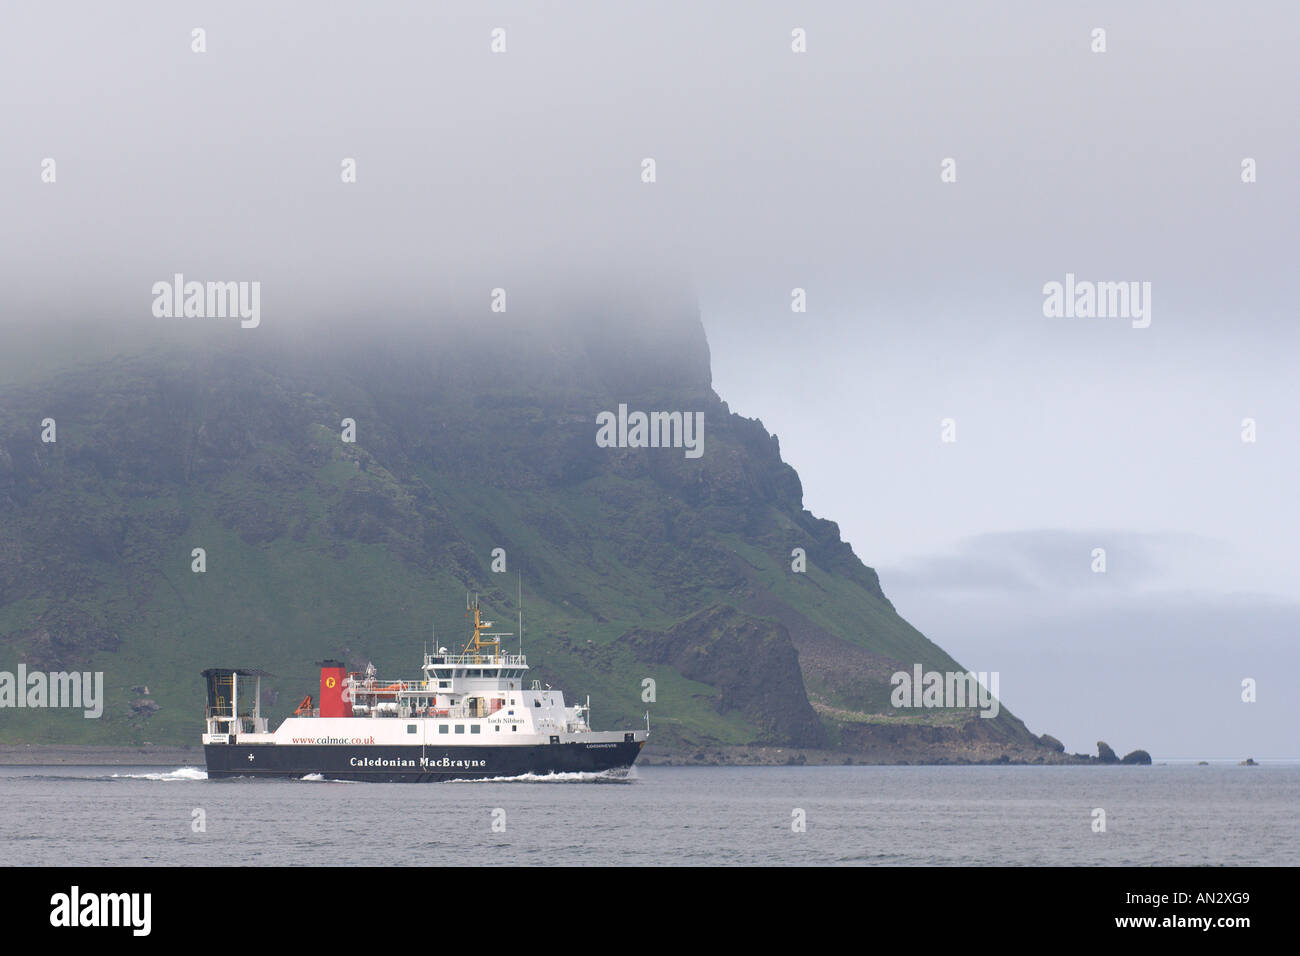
414,764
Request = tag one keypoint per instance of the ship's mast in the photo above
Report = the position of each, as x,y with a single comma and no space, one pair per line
477,644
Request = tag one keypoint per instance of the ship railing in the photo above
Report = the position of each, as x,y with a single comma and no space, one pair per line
373,685
243,724
509,660
457,712
223,713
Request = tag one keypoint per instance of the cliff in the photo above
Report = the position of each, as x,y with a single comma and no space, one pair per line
637,563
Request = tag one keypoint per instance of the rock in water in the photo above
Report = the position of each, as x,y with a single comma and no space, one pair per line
1105,754
1137,756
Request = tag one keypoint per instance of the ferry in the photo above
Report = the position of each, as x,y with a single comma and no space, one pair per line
472,715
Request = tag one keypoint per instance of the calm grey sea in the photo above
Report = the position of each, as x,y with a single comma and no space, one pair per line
954,816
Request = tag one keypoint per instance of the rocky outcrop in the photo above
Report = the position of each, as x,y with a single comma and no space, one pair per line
1137,757
1047,740
144,707
752,663
1105,754
972,740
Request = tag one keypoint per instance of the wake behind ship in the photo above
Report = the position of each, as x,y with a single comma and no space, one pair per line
469,716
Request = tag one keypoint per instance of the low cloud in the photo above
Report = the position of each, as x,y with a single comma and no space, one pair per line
1149,654
1054,561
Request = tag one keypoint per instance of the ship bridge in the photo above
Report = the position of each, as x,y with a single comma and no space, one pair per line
477,682
466,673
480,667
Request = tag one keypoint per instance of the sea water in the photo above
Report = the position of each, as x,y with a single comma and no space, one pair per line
1180,814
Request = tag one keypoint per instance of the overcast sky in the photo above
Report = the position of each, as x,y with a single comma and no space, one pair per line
777,170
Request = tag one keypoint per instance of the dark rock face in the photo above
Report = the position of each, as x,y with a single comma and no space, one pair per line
976,740
143,707
1047,740
63,638
750,660
1137,757
1105,754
